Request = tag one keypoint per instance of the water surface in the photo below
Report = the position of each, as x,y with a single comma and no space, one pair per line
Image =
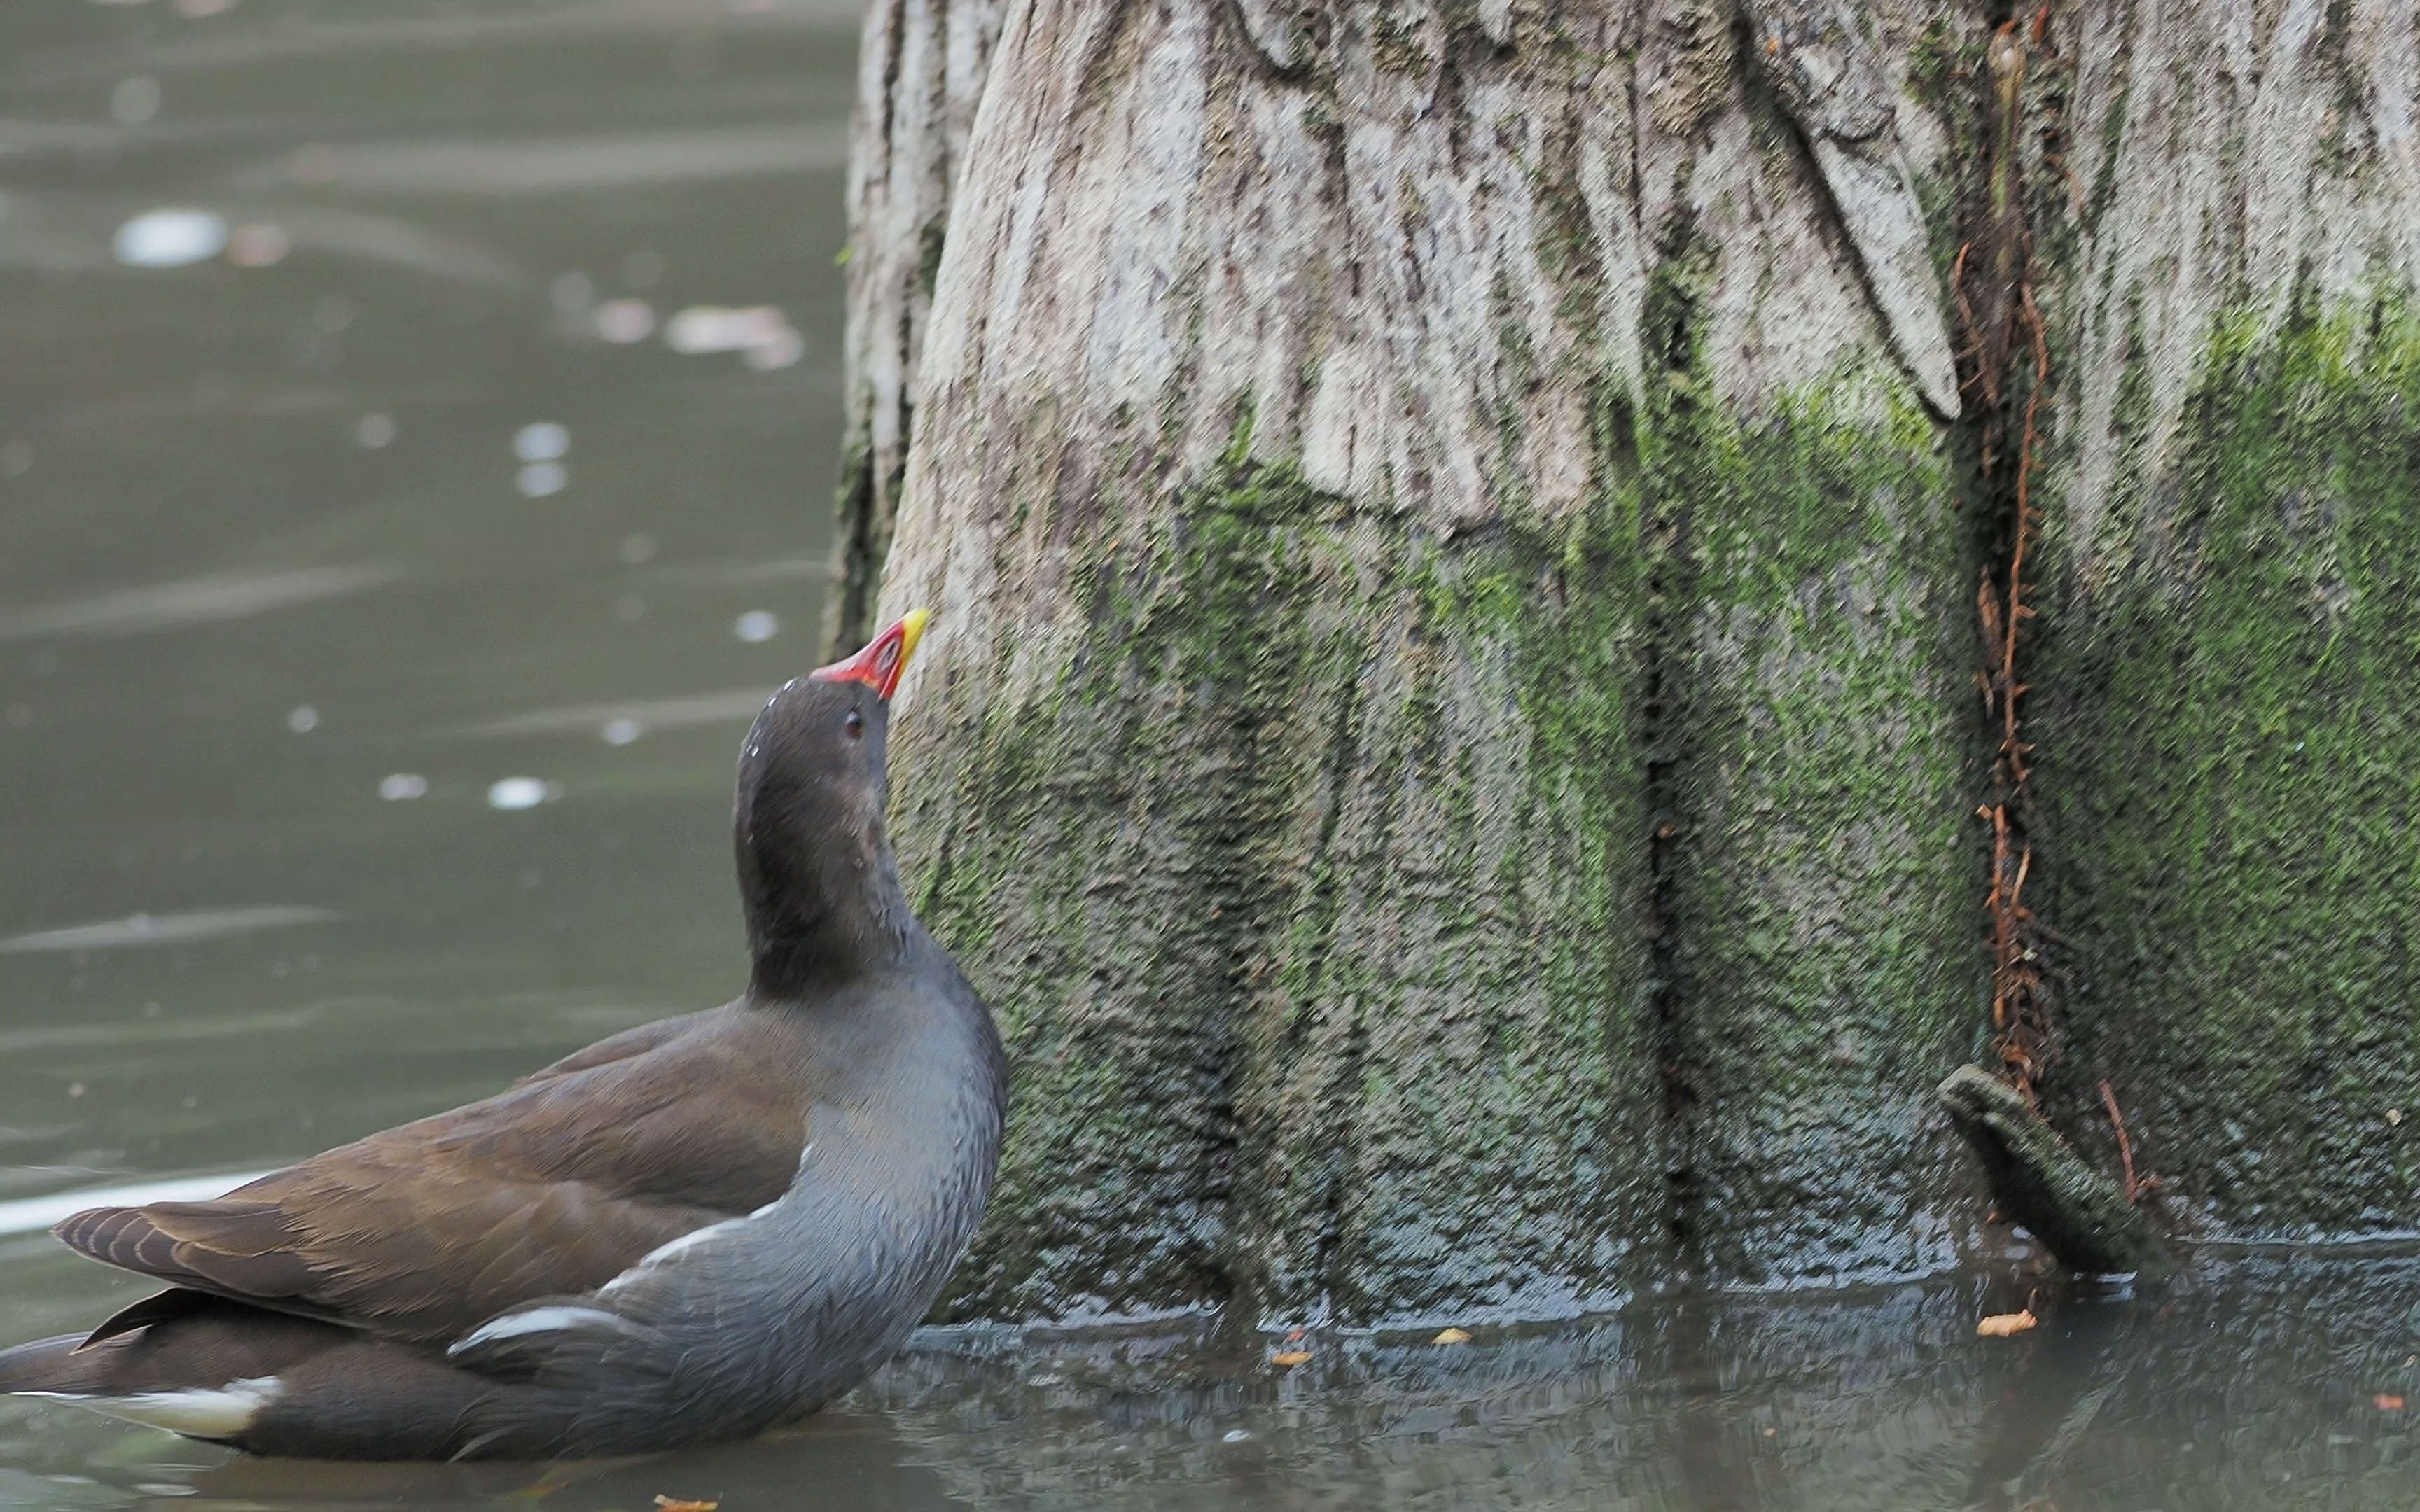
416,424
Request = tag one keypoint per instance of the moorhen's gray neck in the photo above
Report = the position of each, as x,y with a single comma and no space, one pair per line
817,881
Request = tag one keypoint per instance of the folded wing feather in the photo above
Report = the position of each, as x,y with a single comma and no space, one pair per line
549,1188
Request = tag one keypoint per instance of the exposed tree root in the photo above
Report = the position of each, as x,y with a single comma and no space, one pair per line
2079,1215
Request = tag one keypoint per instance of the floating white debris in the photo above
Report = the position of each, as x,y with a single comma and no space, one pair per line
704,329
781,350
624,321
134,101
402,787
164,929
373,433
540,479
541,441
170,239
258,244
1234,1435
621,732
756,625
520,793
303,719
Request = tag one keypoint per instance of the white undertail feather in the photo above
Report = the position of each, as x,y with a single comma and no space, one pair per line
201,1412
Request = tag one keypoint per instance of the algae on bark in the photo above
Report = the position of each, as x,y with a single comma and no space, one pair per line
2233,764
1304,891
1823,901
2222,775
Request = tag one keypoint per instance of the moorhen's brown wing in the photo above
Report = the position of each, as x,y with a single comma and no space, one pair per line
551,1188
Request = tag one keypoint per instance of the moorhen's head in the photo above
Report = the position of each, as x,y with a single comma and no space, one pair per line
816,877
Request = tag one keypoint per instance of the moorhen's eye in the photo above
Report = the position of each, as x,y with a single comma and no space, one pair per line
856,725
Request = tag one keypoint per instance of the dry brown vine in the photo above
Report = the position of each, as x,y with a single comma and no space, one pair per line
2002,327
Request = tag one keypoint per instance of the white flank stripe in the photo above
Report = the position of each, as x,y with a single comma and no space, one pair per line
696,1236
536,1320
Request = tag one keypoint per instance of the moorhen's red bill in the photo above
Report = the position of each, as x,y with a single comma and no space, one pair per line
686,1233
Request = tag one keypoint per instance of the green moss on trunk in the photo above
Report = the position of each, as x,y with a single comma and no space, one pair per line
1308,863
1304,887
1825,900
2231,756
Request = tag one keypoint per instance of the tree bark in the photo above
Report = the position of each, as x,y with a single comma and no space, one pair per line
921,66
1449,731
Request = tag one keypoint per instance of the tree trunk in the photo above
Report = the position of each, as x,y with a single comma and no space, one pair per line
1450,733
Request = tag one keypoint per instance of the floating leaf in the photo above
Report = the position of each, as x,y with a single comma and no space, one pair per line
2000,1325
1452,1336
2387,1401
1290,1358
677,1503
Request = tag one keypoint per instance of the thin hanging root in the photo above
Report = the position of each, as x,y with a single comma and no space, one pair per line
1999,319
2136,1186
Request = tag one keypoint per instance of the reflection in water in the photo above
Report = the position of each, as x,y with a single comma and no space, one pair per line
2051,1402
736,705
840,1460
166,929
555,167
190,601
28,1215
2247,1385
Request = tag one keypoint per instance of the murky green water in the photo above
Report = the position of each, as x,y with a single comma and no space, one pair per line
415,426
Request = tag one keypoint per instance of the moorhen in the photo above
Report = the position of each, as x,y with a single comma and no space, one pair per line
687,1232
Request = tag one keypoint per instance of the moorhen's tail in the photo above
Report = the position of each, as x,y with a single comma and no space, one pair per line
48,1368
124,1379
261,1382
